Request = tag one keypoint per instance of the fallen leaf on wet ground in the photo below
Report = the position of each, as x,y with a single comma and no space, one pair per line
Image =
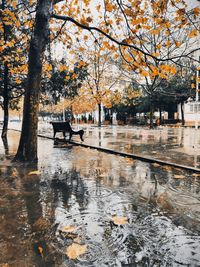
179,176
68,229
119,220
196,174
156,164
75,250
40,250
34,173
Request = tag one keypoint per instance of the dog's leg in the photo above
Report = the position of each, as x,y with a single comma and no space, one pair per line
70,135
81,135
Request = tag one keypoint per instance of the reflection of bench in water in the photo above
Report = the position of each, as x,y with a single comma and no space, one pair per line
65,127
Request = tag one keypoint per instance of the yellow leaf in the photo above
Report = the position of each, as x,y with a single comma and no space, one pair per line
168,43
193,33
196,11
98,7
155,31
67,78
68,229
177,176
34,173
75,250
196,174
109,7
144,73
119,220
177,43
156,54
40,249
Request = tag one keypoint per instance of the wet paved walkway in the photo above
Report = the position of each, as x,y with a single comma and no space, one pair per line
174,145
123,212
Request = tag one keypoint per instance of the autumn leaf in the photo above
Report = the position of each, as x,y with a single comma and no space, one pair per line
196,174
75,250
144,73
119,220
34,173
196,11
40,250
179,176
68,229
109,7
193,33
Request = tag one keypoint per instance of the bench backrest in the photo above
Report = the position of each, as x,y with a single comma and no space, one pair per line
61,126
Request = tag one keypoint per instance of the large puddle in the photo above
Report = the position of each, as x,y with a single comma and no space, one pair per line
111,211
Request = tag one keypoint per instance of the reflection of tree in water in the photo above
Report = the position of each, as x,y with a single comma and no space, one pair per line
39,228
68,183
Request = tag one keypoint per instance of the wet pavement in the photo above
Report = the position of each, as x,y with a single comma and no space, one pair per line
119,211
170,144
176,145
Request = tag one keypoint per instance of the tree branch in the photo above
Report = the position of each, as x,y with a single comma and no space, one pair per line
120,43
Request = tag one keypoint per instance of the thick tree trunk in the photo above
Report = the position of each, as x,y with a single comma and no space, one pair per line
27,150
5,84
5,103
99,115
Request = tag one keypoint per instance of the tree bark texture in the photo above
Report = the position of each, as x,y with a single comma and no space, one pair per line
5,85
27,150
5,102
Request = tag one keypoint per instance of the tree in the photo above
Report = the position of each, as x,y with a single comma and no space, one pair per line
116,14
27,150
13,36
62,82
178,89
129,102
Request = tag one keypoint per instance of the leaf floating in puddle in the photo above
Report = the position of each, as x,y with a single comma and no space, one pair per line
14,173
156,165
75,250
180,176
68,229
40,249
196,174
119,220
34,173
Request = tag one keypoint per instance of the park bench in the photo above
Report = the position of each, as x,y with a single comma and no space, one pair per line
65,127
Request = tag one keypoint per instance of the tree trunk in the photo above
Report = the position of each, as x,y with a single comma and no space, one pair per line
5,84
160,115
99,115
27,150
182,114
151,114
5,102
